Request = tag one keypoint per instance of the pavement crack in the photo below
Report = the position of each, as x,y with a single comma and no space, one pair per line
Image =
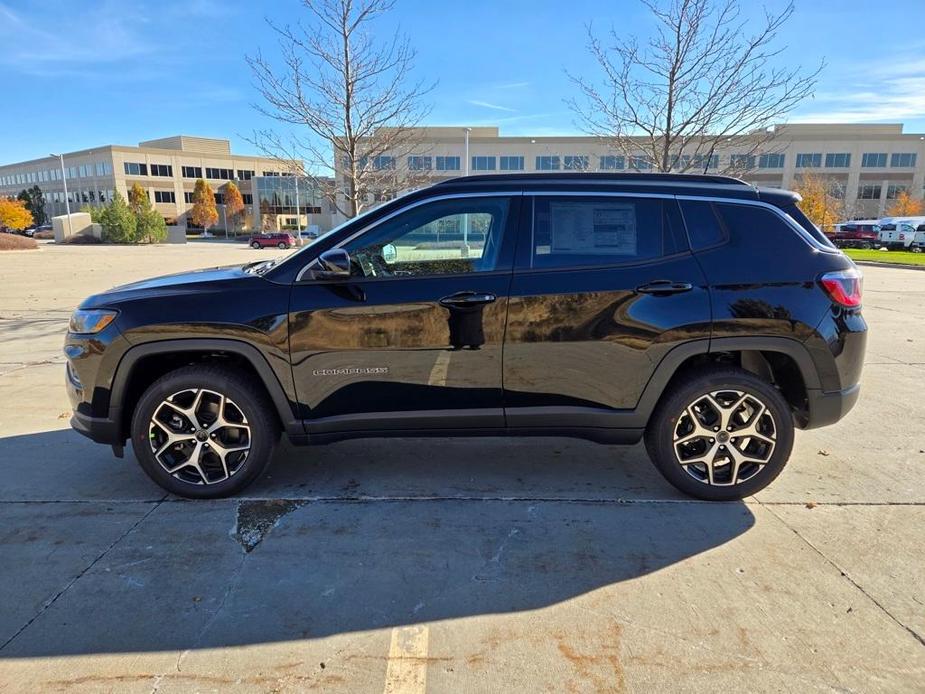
912,632
48,603
232,586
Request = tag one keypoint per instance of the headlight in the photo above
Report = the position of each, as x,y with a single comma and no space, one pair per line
90,322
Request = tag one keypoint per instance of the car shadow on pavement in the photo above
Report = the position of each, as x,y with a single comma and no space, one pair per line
364,535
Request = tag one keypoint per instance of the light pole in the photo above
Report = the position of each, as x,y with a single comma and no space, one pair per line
467,130
67,204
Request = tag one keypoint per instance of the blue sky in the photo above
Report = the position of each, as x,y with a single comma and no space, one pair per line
80,74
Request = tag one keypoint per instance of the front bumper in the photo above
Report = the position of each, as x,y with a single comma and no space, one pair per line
827,408
99,429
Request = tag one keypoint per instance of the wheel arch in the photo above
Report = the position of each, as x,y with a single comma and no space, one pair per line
143,364
780,361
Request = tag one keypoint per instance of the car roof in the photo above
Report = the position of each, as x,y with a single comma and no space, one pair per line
671,183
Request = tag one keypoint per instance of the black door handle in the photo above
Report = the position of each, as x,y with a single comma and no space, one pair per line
467,299
664,287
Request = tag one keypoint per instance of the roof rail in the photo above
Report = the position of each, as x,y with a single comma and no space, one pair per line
602,177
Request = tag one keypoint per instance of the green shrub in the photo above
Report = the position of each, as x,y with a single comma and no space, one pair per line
119,224
151,227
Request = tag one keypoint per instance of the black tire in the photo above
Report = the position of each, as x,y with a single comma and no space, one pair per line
248,398
660,433
255,246
282,245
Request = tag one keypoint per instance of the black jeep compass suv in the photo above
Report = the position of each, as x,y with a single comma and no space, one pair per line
706,315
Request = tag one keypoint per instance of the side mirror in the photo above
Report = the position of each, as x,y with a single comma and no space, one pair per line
335,264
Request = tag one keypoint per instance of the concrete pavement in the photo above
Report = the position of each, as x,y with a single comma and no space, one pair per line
409,565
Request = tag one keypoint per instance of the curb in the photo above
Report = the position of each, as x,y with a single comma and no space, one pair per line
901,266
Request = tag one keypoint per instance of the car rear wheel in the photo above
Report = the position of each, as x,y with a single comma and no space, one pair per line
204,431
281,245
255,246
722,434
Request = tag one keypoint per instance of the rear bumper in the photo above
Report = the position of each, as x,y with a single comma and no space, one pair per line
828,408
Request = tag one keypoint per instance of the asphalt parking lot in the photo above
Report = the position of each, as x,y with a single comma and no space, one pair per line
407,565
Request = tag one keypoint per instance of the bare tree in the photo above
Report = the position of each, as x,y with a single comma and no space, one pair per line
700,84
352,103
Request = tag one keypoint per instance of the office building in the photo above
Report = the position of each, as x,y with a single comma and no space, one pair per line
167,169
867,165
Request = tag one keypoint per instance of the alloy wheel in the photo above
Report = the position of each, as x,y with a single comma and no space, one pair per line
724,438
199,436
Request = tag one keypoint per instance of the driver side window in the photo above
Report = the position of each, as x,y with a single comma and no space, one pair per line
445,237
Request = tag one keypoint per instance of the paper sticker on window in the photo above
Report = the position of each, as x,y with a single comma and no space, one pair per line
600,228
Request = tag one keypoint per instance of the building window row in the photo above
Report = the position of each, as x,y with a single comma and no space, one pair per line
448,163
419,163
135,168
191,171
512,163
164,170
837,160
219,174
164,196
100,168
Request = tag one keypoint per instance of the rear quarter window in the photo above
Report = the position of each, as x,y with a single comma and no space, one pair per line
759,230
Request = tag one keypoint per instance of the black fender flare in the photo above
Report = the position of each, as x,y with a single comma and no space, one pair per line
672,361
254,357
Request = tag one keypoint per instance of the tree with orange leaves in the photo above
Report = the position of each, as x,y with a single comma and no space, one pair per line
905,206
820,203
13,214
204,212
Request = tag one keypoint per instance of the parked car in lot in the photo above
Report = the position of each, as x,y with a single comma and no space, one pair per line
279,240
861,233
918,240
896,236
34,230
706,316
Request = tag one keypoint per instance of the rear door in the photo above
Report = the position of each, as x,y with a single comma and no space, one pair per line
604,287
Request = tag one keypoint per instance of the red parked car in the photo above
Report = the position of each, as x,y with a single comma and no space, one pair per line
857,234
280,240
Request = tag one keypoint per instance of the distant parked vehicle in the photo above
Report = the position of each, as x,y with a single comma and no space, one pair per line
897,236
918,240
34,230
280,240
860,233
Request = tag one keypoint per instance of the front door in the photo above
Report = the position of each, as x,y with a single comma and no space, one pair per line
412,339
603,288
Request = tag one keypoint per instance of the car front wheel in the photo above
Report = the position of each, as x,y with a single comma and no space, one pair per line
255,246
282,245
722,434
204,431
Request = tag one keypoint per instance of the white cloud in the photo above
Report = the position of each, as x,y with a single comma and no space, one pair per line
890,89
108,38
512,85
493,107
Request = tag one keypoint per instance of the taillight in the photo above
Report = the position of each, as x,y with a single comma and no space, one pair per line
843,287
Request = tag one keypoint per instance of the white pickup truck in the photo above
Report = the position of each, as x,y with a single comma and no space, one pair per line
902,233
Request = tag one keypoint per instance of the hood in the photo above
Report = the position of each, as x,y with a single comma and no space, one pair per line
182,283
